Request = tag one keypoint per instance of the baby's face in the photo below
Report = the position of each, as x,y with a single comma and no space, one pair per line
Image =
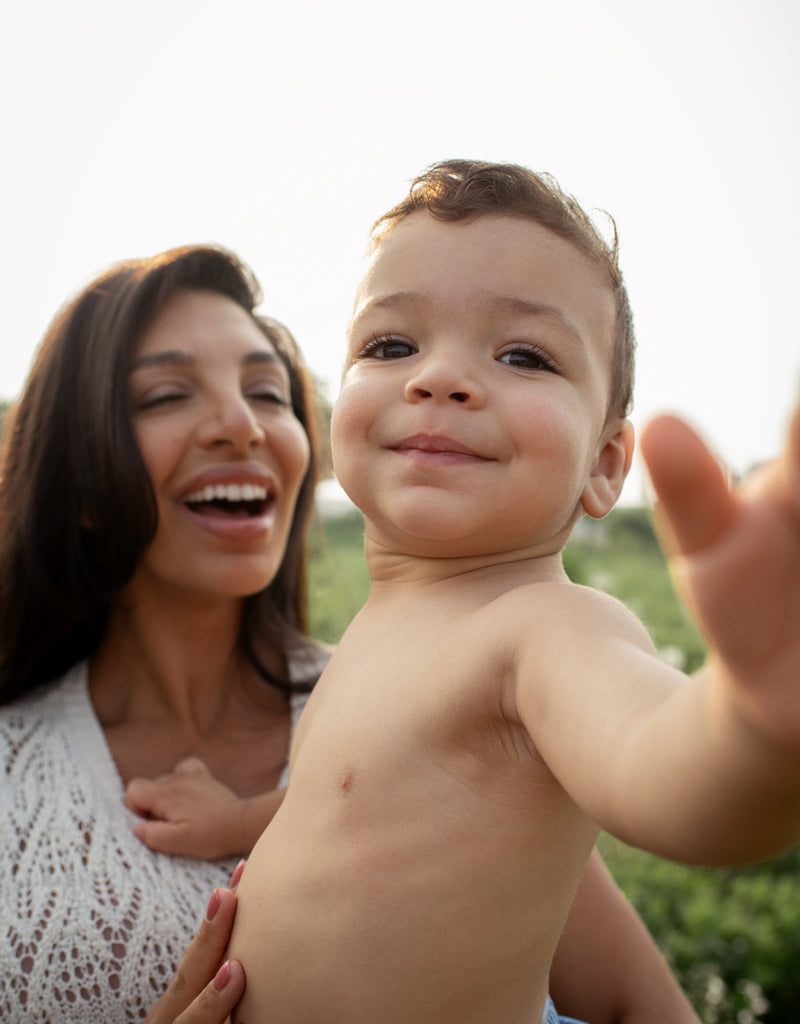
476,386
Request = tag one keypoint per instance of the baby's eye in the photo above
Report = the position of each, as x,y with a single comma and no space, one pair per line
387,346
528,357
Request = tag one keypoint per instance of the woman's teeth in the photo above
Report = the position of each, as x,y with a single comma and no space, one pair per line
227,492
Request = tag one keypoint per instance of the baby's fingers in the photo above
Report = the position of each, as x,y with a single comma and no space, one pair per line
140,795
694,503
162,836
192,766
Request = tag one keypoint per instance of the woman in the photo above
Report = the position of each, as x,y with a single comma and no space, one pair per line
157,477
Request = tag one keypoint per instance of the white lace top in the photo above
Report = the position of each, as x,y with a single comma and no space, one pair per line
92,923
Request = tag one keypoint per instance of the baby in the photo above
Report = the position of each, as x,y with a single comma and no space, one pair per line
483,717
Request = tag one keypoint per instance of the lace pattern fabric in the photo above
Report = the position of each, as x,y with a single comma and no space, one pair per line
92,923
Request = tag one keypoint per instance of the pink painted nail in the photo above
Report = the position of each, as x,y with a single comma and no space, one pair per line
213,905
237,874
223,976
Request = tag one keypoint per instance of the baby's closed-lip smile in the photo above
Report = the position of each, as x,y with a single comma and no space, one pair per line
438,449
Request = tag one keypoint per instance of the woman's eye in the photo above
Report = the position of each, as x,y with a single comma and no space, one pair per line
387,347
269,397
267,392
268,389
154,399
528,357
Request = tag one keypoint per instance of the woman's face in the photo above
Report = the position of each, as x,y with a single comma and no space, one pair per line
212,414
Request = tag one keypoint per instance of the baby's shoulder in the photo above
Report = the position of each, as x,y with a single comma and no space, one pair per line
562,609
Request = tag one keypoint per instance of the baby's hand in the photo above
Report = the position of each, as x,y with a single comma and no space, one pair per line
188,812
735,556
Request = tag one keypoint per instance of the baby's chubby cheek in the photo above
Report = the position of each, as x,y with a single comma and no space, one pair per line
348,427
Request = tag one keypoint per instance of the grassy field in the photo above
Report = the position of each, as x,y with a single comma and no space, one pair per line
733,937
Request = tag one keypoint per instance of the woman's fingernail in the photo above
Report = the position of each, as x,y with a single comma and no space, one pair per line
223,976
237,874
213,905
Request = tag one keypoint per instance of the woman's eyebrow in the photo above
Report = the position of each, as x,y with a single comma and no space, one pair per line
169,357
175,357
261,356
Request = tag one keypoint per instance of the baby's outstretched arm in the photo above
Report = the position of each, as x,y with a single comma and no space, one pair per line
735,556
189,812
703,770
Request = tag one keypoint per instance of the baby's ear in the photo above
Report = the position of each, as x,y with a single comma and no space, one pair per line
610,468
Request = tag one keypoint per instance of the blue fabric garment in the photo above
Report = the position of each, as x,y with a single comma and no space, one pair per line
551,1016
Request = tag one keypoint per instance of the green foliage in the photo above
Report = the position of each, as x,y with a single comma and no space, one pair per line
732,937
338,579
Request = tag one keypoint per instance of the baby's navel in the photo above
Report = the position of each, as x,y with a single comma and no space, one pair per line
347,780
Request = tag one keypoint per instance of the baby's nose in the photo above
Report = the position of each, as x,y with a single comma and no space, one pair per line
443,379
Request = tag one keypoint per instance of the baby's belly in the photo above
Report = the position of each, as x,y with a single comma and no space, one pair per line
350,914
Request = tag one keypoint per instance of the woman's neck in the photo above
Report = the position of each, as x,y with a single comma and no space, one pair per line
174,662
168,684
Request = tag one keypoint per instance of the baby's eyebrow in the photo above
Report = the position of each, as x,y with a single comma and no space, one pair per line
400,299
396,300
533,307
511,304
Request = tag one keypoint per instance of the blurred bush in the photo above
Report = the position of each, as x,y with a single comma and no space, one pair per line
732,937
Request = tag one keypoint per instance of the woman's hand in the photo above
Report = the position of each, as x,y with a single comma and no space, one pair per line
205,989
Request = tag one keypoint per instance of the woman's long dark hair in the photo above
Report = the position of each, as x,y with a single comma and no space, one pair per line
77,509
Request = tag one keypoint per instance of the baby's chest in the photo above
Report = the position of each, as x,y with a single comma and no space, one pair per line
414,707
403,674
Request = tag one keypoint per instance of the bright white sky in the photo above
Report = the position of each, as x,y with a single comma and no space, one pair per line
283,130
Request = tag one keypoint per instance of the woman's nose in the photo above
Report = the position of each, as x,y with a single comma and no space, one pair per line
231,421
444,378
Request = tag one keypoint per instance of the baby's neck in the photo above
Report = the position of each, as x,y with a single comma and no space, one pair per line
389,570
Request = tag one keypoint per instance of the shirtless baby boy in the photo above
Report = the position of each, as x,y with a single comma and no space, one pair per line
483,717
